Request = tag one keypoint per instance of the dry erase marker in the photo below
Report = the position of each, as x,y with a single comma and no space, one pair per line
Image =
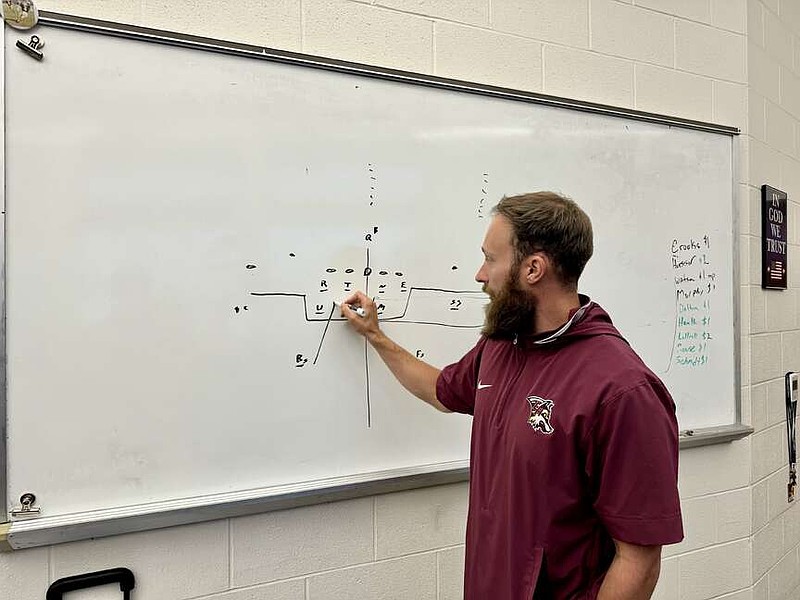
356,309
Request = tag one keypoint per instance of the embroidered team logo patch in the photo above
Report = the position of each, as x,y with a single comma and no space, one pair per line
541,411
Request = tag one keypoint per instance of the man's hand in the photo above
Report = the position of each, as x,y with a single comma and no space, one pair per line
633,573
416,376
366,325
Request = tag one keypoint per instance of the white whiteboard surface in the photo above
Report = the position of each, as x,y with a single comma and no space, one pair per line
172,214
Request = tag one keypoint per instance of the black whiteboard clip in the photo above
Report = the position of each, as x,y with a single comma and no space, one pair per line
33,48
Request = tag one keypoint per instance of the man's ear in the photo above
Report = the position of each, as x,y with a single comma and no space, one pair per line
534,268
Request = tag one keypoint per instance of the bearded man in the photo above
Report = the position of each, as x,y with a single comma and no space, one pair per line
574,452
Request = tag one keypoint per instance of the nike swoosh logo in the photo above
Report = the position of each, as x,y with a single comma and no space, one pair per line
483,385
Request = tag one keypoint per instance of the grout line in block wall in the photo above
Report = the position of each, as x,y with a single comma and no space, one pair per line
739,540
302,26
375,528
246,588
490,13
589,22
307,577
674,43
544,77
717,493
433,47
230,553
438,576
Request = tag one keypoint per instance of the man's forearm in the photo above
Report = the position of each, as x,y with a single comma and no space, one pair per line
417,376
629,579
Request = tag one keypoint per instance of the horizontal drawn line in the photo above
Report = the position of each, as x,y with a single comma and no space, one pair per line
395,319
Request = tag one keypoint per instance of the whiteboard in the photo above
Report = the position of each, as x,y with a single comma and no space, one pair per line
180,222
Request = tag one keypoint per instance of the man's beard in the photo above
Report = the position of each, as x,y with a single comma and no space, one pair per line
510,311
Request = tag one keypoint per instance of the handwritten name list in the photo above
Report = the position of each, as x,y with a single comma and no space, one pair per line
695,285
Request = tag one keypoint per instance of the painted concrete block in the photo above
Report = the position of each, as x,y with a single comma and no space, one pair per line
767,451
765,349
272,23
758,405
785,575
767,547
734,515
758,322
761,589
714,571
695,10
790,15
748,220
763,73
672,92
791,532
632,32
744,160
475,12
773,5
776,402
588,76
24,574
357,32
284,590
290,543
177,563
709,51
757,115
699,525
667,586
745,594
780,129
730,105
119,11
791,351
408,578
487,57
731,468
744,361
451,573
760,504
560,21
777,494
420,520
765,164
729,14
780,311
778,39
755,22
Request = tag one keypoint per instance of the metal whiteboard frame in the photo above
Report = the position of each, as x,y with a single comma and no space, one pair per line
25,533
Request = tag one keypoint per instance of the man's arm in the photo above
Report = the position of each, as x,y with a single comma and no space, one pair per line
633,573
417,376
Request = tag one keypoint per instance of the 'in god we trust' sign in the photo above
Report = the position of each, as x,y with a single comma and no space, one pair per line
774,247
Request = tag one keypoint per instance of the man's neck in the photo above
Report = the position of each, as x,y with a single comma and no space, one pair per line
554,311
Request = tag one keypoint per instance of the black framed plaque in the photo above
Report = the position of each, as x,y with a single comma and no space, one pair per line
774,247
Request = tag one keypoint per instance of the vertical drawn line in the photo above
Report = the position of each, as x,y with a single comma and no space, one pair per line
327,324
367,271
366,369
366,347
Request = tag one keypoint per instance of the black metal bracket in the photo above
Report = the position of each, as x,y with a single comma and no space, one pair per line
120,575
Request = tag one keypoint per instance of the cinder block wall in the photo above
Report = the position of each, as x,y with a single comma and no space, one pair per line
773,50
735,62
